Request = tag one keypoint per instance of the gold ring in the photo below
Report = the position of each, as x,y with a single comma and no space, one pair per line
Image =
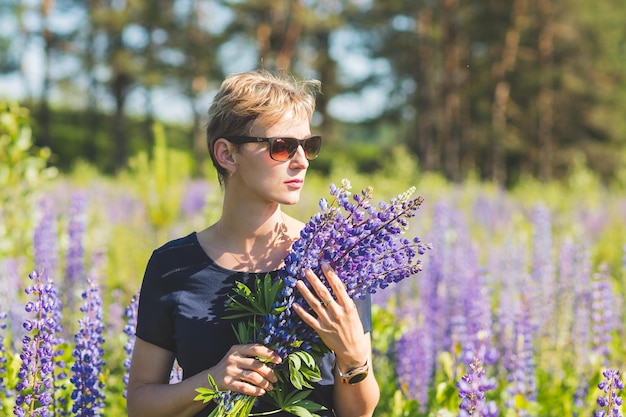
244,373
327,302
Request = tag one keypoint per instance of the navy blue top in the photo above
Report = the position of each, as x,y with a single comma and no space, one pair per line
181,305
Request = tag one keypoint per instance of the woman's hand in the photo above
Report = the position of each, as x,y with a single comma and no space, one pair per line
337,322
240,370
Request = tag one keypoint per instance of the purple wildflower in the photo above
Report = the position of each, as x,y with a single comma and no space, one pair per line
88,393
45,241
129,330
11,285
414,364
522,379
611,402
364,245
543,275
472,388
604,319
3,359
74,259
35,386
476,302
581,335
194,199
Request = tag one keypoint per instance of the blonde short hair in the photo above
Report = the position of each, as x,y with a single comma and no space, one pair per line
248,97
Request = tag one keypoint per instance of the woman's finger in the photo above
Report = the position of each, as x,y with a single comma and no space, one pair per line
337,286
322,295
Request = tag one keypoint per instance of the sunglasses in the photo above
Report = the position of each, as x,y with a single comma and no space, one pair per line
283,149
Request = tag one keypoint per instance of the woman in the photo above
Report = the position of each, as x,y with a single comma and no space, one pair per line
188,280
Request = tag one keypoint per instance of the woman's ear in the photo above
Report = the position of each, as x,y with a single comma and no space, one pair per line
225,155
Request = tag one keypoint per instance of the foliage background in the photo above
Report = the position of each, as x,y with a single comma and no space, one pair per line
498,90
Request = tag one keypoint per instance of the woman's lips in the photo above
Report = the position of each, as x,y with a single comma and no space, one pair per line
295,183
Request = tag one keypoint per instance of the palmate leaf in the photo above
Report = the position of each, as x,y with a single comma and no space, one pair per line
302,369
207,394
244,333
295,403
255,302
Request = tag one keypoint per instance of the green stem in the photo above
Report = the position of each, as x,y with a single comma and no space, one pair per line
266,413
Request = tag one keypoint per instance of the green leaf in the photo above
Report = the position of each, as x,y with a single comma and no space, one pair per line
299,411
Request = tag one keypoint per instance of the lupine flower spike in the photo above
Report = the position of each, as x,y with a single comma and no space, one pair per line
129,330
472,389
88,393
611,402
3,359
36,371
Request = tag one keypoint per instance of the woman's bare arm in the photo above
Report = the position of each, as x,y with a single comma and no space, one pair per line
149,391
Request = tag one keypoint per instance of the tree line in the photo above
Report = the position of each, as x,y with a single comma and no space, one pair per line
502,89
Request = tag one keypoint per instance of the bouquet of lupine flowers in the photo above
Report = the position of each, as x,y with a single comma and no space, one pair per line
365,245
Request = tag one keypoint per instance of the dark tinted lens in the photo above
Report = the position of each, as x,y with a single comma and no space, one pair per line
283,149
312,147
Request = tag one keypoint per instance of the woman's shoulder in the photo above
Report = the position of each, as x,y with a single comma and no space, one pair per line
181,243
179,254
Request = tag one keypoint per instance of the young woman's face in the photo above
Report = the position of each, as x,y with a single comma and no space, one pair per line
259,176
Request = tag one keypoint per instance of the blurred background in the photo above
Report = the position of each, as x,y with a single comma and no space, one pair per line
494,89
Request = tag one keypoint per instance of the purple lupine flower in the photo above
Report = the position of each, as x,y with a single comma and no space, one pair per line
477,343
472,389
611,402
511,266
11,285
521,366
3,359
88,393
604,319
129,330
361,242
564,296
543,276
45,241
581,335
414,365
434,290
194,199
74,259
35,386
115,317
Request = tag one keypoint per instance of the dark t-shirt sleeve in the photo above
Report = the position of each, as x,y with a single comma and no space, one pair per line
154,317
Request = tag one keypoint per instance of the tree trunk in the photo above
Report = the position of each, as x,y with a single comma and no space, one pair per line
545,98
450,129
120,87
45,138
502,92
92,121
426,141
292,35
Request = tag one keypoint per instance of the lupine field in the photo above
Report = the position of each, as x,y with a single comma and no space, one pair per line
518,310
